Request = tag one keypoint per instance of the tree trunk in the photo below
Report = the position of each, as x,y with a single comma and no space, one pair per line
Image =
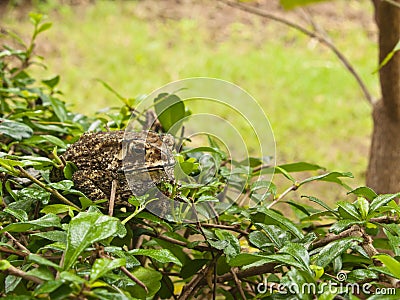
383,174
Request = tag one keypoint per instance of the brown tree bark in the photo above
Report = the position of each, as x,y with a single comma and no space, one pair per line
383,174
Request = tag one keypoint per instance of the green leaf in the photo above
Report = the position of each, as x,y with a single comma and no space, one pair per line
15,130
299,207
52,82
44,27
103,265
57,209
299,253
150,278
284,173
69,170
54,235
289,4
390,263
382,200
330,177
192,267
35,18
48,287
71,277
64,185
300,167
19,214
296,280
221,153
276,234
85,229
365,192
274,218
341,225
4,264
42,261
348,210
55,141
49,220
42,273
34,193
59,108
333,250
233,247
244,259
161,255
11,282
363,207
285,259
170,111
259,239
361,274
394,241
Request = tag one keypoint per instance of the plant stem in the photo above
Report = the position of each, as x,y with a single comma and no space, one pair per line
311,34
44,186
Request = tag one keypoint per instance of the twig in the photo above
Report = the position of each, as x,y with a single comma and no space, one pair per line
126,272
136,280
50,190
260,167
259,270
238,284
190,288
179,243
214,288
281,196
25,254
8,235
227,227
312,34
12,251
352,231
19,273
114,185
385,220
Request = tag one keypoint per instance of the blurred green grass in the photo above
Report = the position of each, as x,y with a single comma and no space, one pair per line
315,107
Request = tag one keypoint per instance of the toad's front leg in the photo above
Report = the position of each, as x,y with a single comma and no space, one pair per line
95,184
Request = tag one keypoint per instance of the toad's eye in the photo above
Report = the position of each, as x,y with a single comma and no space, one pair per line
136,150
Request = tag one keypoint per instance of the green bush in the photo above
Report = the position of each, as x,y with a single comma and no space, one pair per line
58,244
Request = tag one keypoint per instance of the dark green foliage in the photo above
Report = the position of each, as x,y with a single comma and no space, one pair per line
55,243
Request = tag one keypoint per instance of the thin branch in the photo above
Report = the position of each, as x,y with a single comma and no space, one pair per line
126,272
136,280
192,286
238,284
12,251
323,40
16,242
19,273
114,186
281,196
260,167
226,227
179,243
44,186
385,220
259,270
352,231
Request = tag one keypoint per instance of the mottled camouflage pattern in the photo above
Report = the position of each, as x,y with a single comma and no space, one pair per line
137,160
